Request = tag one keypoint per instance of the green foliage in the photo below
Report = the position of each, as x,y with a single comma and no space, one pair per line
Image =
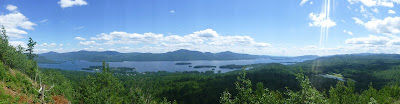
307,94
341,94
14,57
3,71
138,96
62,86
102,88
15,81
247,96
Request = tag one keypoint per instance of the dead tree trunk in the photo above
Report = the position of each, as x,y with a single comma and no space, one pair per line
42,89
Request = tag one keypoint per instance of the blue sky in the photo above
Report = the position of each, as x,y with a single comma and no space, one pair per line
265,27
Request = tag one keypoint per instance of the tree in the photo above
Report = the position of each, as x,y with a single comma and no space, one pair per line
3,36
307,95
102,88
31,45
42,89
246,95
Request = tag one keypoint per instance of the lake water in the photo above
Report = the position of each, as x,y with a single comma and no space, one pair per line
145,66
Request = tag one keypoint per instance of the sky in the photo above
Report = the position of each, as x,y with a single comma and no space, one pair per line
261,27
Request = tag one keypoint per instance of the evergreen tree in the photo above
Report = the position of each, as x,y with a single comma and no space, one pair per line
3,36
31,45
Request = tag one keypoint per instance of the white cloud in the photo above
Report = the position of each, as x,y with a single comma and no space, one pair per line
125,48
208,33
45,20
198,37
311,47
358,21
377,44
371,3
70,3
375,10
104,36
117,37
50,45
320,20
303,2
391,12
389,25
16,43
88,43
11,8
348,32
14,22
311,2
76,28
79,38
362,9
172,11
370,40
198,40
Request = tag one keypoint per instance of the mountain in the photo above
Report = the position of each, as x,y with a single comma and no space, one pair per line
178,55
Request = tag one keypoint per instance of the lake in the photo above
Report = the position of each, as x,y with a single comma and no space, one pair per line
146,66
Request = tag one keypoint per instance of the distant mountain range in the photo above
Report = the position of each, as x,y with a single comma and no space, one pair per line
179,55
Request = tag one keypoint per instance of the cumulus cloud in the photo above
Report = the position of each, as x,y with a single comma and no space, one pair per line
16,43
371,3
358,21
117,37
375,10
204,39
373,44
348,32
208,33
370,40
50,45
389,25
303,2
70,3
88,43
11,8
15,22
79,38
198,37
391,12
320,20
362,9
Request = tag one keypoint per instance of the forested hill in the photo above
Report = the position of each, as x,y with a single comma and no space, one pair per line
179,55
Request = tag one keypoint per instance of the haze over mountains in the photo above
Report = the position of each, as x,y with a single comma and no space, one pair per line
178,55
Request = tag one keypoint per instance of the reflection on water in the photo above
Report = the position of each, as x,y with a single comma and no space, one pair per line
144,66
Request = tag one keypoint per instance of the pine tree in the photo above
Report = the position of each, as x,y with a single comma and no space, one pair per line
31,45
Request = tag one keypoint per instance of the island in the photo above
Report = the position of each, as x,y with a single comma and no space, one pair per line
232,66
205,66
183,63
112,69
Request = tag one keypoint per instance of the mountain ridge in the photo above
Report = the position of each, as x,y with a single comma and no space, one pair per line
178,55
